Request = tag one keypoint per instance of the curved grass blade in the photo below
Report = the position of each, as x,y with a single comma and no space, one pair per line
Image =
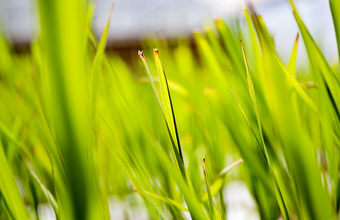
45,190
215,215
318,58
174,86
166,200
218,182
297,86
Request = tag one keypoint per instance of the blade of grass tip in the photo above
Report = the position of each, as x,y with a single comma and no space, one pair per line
215,215
170,115
278,192
166,200
175,149
166,101
218,182
99,57
9,191
293,57
297,86
148,73
316,56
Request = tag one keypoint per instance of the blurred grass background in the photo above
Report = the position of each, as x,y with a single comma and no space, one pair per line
90,134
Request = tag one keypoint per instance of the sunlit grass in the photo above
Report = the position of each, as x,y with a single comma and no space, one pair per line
78,126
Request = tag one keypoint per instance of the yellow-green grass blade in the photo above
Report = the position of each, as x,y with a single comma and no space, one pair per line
218,182
98,59
167,200
43,187
9,190
167,115
230,43
316,55
167,102
214,214
300,157
174,86
297,86
62,35
191,200
293,57
28,159
278,191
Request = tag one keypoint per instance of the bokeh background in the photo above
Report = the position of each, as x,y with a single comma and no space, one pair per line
134,19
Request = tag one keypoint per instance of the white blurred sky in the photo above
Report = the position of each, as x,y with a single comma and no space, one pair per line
134,18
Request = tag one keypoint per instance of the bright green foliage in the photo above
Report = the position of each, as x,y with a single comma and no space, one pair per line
80,127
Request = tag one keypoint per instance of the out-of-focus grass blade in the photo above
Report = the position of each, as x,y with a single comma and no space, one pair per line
215,215
128,170
9,191
278,192
218,182
167,200
293,57
323,66
99,58
335,9
297,86
191,200
47,193
174,86
8,134
28,158
62,35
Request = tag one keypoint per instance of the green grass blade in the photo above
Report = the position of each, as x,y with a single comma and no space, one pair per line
9,191
215,215
98,59
166,102
293,57
278,191
167,200
297,86
167,112
45,190
218,182
316,55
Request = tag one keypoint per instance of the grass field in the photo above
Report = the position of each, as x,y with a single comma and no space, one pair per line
165,132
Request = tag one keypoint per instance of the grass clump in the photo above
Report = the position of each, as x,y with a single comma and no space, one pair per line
78,126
